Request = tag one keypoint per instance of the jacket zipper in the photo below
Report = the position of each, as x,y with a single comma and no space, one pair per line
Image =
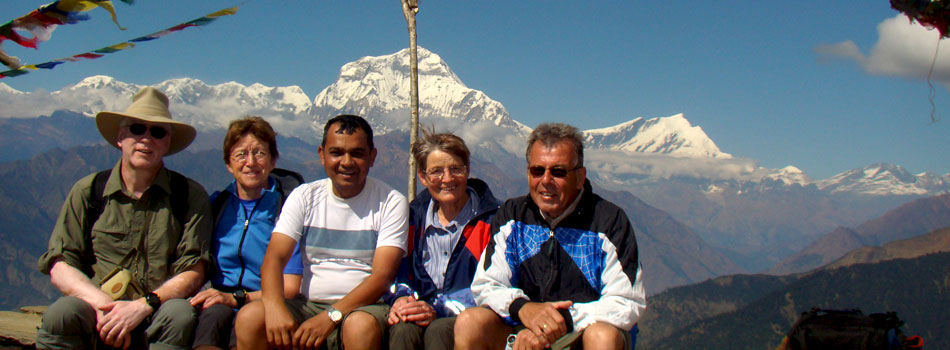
552,260
247,222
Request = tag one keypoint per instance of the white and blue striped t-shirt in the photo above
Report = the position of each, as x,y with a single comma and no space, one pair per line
338,237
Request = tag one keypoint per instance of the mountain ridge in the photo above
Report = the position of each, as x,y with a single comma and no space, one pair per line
916,289
937,241
663,135
294,115
908,220
374,86
378,87
726,307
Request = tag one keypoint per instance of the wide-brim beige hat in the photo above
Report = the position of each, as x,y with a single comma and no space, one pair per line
149,105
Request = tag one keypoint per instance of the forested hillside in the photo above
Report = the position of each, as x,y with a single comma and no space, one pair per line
917,289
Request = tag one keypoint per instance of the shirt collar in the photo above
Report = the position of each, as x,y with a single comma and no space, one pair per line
114,183
271,186
466,214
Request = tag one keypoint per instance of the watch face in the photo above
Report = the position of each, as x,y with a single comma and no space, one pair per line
335,315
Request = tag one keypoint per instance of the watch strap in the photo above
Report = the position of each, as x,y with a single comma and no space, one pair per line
240,296
153,300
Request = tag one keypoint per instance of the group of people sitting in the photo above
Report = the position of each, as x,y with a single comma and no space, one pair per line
145,259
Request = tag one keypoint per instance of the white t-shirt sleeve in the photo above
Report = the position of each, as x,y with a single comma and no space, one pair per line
394,224
293,213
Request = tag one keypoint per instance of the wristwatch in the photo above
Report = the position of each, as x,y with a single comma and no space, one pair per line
335,315
240,296
153,300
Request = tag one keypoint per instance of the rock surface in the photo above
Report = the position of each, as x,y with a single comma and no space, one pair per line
18,329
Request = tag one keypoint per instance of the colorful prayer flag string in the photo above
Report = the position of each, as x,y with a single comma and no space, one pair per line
205,20
41,22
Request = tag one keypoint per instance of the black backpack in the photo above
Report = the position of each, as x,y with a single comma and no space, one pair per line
849,329
287,181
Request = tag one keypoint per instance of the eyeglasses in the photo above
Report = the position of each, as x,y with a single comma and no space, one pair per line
242,155
558,172
436,173
158,132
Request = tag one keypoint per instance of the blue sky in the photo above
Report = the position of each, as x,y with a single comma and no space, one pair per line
810,84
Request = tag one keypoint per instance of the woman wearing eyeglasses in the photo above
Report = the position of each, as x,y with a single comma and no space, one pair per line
448,230
245,214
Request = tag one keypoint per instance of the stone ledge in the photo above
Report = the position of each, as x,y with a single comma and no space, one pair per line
19,328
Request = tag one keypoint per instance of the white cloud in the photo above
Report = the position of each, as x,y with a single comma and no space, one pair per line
480,133
622,163
34,104
903,49
846,49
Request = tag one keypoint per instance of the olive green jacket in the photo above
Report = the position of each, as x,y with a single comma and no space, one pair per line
141,235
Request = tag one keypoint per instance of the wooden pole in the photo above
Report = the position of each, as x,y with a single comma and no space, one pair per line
409,10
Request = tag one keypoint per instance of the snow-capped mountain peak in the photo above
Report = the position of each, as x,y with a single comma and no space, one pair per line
102,84
379,86
884,179
207,107
672,135
98,82
790,175
6,89
290,99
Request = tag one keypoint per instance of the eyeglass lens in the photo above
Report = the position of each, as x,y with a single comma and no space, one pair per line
437,173
538,171
243,155
156,131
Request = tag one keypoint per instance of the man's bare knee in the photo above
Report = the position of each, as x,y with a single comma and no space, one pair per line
477,315
249,321
361,324
480,328
603,336
361,330
250,328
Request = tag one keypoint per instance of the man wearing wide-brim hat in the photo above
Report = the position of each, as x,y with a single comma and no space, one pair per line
130,243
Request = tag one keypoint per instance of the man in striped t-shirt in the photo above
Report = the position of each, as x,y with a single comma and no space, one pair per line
351,229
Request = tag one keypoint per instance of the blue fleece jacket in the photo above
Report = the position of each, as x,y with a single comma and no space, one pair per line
238,251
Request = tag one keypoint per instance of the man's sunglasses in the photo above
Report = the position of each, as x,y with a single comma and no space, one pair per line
156,131
558,172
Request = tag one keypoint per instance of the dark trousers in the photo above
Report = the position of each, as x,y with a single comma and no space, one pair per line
216,327
438,335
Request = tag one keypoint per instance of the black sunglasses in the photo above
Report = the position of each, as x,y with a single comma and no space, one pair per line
558,172
156,131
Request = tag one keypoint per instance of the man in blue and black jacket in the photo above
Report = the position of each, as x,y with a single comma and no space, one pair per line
561,269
